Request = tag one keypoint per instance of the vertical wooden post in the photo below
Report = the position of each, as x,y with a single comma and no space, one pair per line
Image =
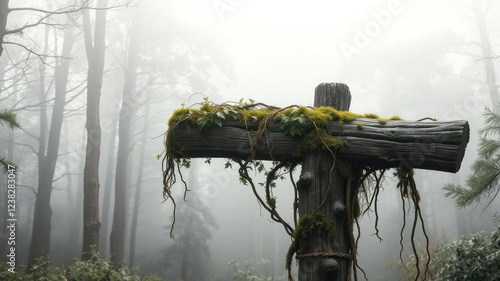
322,190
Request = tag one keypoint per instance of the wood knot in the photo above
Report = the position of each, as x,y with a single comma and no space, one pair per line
339,209
329,268
305,180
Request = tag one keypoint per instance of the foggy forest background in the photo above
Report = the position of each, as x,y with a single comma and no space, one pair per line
414,59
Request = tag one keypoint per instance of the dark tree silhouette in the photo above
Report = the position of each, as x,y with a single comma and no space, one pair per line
95,47
48,153
127,113
188,258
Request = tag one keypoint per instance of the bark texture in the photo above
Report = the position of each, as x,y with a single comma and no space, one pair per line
319,191
436,146
95,54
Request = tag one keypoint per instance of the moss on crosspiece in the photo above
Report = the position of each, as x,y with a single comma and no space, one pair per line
307,123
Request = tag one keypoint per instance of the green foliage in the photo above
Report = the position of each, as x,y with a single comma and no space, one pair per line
483,180
295,120
4,163
95,268
41,271
406,265
473,258
251,271
311,125
470,258
98,269
295,125
9,118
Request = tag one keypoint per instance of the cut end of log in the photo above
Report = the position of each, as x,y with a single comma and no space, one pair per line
438,146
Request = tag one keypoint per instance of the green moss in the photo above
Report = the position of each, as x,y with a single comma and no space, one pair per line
370,115
395,118
321,165
321,116
385,120
310,125
316,223
254,115
346,169
178,115
321,139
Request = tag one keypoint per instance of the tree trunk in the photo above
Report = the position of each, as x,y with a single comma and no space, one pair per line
4,232
323,190
185,262
4,13
488,54
73,234
95,55
127,112
76,229
40,243
108,188
137,196
10,154
40,239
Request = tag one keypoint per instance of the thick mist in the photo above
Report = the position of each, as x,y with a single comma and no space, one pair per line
413,59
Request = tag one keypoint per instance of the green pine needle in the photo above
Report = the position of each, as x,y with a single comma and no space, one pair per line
10,119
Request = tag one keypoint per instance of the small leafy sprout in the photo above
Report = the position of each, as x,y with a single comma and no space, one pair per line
295,125
359,125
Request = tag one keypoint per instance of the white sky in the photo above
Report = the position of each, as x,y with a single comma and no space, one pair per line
282,49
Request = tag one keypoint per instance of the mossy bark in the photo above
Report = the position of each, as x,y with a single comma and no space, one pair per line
320,190
438,146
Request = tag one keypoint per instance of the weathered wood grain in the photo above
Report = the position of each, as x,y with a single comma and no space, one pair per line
424,145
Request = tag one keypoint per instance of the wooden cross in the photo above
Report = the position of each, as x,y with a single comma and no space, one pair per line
434,145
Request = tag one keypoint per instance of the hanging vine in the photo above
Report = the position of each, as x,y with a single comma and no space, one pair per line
310,125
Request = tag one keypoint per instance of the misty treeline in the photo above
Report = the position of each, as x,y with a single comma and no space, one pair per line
92,84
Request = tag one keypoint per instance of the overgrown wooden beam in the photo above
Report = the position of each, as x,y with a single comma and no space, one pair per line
424,145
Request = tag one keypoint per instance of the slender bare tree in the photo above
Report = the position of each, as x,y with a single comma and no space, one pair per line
127,113
487,53
95,48
48,152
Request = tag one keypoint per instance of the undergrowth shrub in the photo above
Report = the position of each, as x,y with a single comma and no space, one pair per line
94,269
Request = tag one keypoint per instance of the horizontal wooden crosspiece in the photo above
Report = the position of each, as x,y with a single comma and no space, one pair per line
430,145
